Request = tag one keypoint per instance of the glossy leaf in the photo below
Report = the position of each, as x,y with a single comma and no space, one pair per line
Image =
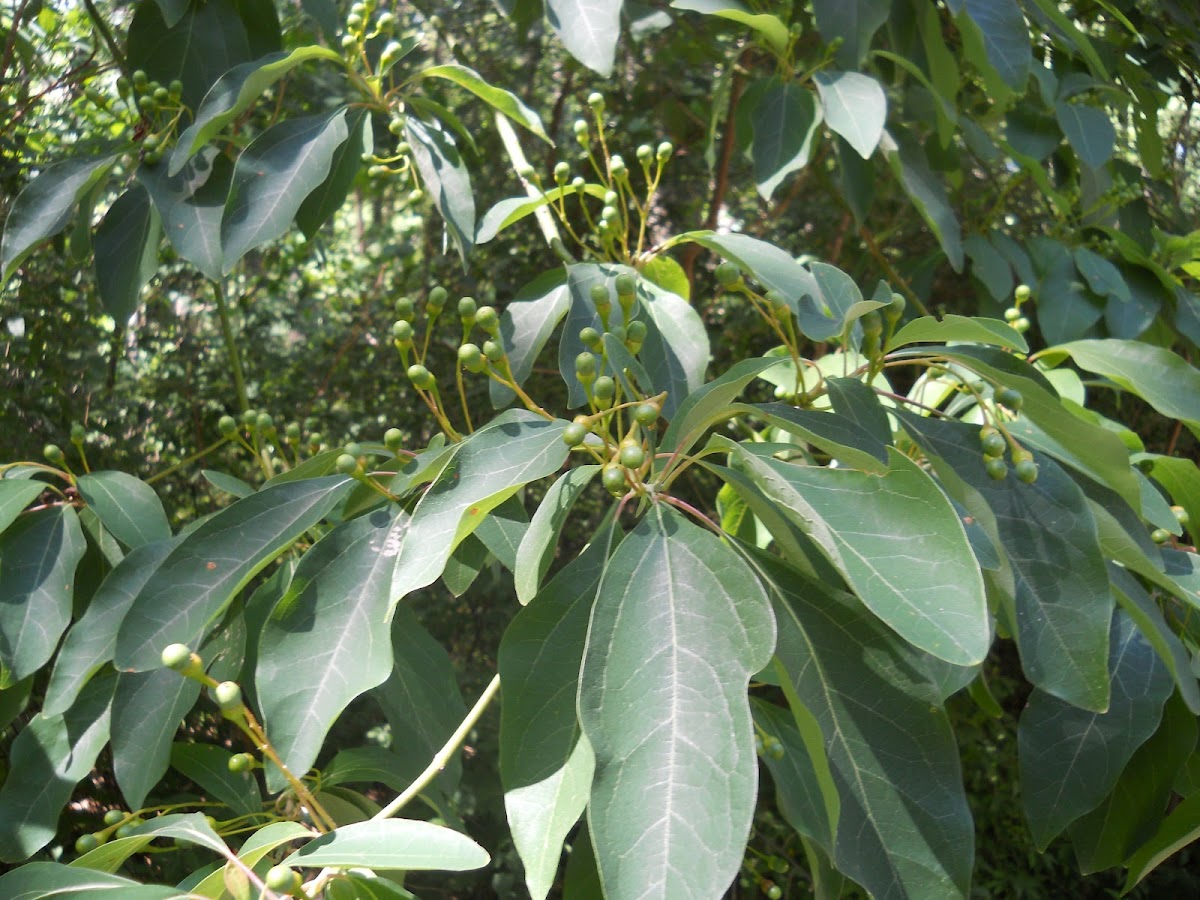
273,176
703,408
1062,605
44,207
126,244
897,541
235,92
127,506
15,495
526,325
839,436
320,206
392,844
546,765
196,581
191,828
93,638
368,765
854,21
227,483
487,468
536,552
975,330
111,856
251,853
38,558
46,760
325,642
146,711
904,828
445,178
51,879
798,790
191,205
1089,131
589,29
772,267
514,209
1179,829
662,701
785,121
1005,37
503,530
499,99
360,887
855,107
676,350
1070,757
208,766
928,193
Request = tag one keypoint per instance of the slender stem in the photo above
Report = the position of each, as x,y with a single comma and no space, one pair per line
231,350
513,147
890,271
106,35
250,726
187,461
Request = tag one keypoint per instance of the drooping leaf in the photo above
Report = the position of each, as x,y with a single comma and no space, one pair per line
208,766
214,562
111,856
773,31
498,98
51,879
854,21
1070,757
146,711
928,193
445,177
703,408
503,530
255,848
44,207
1089,130
319,206
546,765
368,765
392,844
127,506
191,828
191,205
273,176
898,542
772,267
797,788
359,886
1179,829
47,758
487,468
840,437
15,495
676,350
38,558
904,828
678,627
326,642
589,29
536,551
784,121
526,325
1005,38
976,330
855,107
126,244
235,92
227,483
93,638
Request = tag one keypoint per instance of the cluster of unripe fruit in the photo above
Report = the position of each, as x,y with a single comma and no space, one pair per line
53,453
1013,315
359,28
995,445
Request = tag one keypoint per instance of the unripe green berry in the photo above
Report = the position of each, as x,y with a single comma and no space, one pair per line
346,464
608,214
1181,515
282,879
250,417
161,95
526,171
140,79
872,324
599,293
590,337
404,148
226,425
632,457
611,198
53,454
613,479
578,184
580,127
405,309
1021,325
997,469
1026,470
1160,535
228,695
585,364
774,892
437,298
645,153
114,817
665,149
488,319
86,843
596,101
315,439
562,172
1022,293
470,357
240,762
354,20
574,434
177,657
626,285
616,165
728,275
604,388
618,332
421,377
994,444
1012,314
353,449
646,414
636,332
348,41
147,105
264,422
402,331
292,432
493,350
467,309
1010,398
175,89
895,309
393,438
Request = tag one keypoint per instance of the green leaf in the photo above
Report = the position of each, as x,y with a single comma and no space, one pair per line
214,562
772,267
190,827
15,495
46,760
208,766
392,844
1162,378
840,437
854,21
904,828
676,351
514,209
227,483
360,887
589,29
499,99
464,565
319,206
1102,276
445,178
235,92
1089,130
369,765
110,856
1150,620
536,552
14,699
784,121
992,269
44,207
773,31
38,558
50,879
546,765
1179,829
325,643
1005,38
127,506
273,176
191,205
526,325
973,330
1127,817
678,627
1071,758
93,638
703,408
797,786
898,542
487,468
251,853
1075,35
146,711
855,107
928,194
126,245
502,531
1062,605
